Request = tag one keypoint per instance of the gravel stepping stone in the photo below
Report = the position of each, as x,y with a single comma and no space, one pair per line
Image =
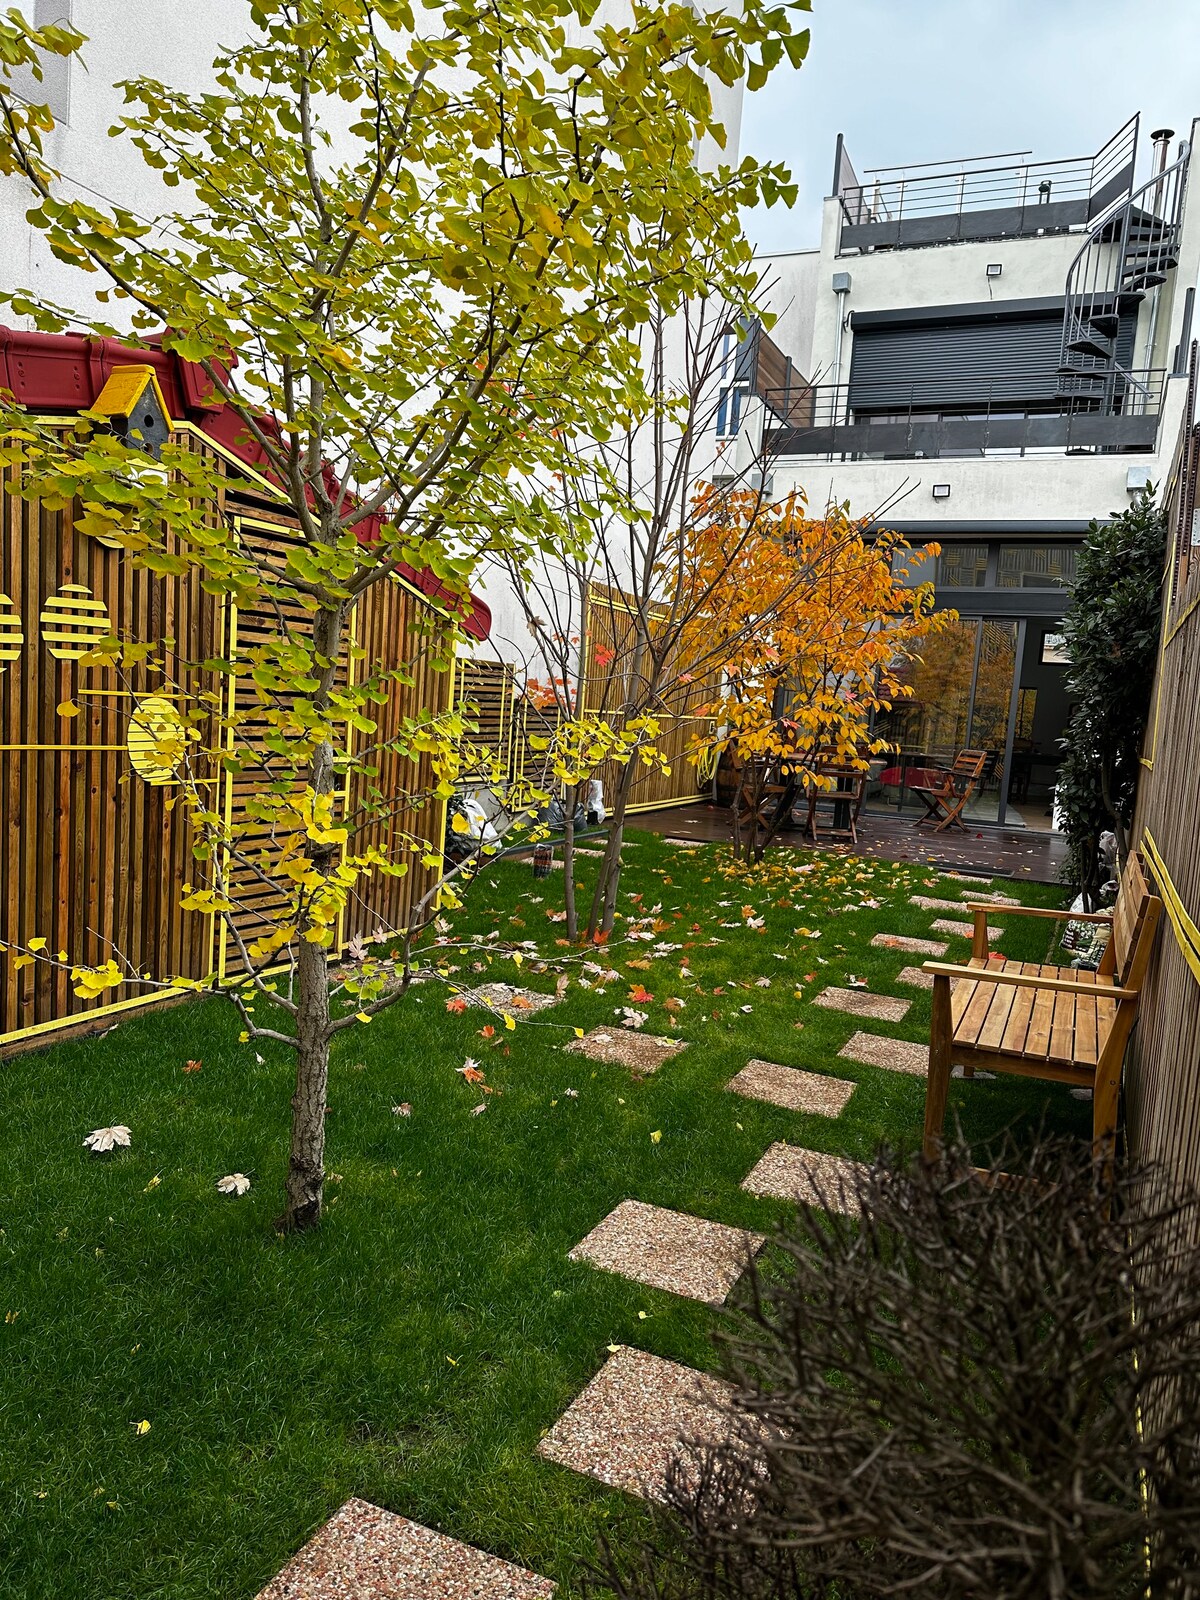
965,877
911,947
862,1003
992,899
502,997
794,1090
896,1055
965,930
669,1250
636,1415
625,1047
929,903
788,1172
365,1553
684,844
915,978
1081,1094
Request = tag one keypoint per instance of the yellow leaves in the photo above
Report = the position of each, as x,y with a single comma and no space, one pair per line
459,823
89,982
141,1428
509,1023
578,1032
207,901
656,1136
36,944
68,708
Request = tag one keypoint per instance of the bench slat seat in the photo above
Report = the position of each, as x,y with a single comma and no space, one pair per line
1043,1021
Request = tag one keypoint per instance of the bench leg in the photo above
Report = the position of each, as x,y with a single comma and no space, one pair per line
937,1087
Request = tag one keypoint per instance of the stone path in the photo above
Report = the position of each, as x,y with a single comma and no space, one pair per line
642,1053
669,1250
965,930
915,978
966,877
366,1553
794,1090
502,997
684,844
787,1172
911,947
896,1055
633,1418
992,899
928,903
862,1003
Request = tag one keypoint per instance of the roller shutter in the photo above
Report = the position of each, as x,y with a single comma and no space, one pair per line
965,363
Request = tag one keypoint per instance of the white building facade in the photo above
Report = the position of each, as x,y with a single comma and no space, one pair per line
988,354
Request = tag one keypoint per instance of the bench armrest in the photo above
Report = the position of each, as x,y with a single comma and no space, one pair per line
1028,980
1038,911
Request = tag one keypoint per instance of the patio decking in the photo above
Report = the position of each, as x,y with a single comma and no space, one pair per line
1006,852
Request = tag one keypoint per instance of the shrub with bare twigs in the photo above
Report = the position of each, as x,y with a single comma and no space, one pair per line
979,1389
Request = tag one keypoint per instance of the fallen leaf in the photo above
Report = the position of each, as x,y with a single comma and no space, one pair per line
235,1183
102,1139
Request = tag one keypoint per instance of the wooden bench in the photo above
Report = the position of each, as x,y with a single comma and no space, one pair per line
1060,1023
946,793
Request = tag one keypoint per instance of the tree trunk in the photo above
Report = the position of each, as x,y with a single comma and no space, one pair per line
570,800
306,1162
604,901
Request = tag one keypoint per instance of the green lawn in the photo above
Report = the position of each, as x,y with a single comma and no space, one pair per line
414,1350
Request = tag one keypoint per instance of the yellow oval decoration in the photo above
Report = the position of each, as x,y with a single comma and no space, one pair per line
73,622
12,635
155,739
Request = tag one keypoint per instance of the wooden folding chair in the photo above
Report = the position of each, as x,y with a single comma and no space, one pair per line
947,792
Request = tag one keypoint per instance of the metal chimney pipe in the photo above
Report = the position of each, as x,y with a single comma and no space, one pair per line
1161,139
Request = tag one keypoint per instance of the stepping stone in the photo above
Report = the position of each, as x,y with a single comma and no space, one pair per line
1081,1094
928,903
896,1055
684,844
636,1415
582,850
958,1072
792,1089
501,997
668,1250
911,947
965,877
915,978
862,1003
365,1553
993,899
965,930
642,1053
787,1172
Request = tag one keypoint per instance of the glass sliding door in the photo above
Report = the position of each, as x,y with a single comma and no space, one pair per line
963,695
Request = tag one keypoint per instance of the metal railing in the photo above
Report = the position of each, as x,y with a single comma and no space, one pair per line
962,187
1100,412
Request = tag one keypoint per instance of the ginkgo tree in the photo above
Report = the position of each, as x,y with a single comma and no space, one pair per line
408,244
814,624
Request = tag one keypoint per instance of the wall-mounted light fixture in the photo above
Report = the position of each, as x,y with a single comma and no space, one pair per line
995,268
1137,480
941,491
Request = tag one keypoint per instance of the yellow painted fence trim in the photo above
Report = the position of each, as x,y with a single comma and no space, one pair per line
1187,934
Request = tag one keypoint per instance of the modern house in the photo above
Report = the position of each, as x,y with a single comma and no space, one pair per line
987,353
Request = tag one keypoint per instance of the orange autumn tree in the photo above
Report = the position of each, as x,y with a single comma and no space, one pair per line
841,619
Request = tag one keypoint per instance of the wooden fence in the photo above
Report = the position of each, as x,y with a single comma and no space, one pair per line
506,717
1162,1078
93,853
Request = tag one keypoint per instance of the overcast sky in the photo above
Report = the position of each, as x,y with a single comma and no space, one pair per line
933,80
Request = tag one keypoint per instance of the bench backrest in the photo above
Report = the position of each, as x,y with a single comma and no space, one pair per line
1135,919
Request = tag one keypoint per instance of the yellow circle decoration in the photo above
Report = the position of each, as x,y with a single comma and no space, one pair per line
73,622
12,636
156,739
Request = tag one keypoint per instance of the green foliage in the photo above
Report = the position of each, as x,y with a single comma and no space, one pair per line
1111,630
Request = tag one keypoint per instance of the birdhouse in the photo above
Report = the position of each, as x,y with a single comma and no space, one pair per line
133,403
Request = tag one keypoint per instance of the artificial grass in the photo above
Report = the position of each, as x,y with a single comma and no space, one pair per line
414,1350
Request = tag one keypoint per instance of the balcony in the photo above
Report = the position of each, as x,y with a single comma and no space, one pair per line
1101,414
1003,198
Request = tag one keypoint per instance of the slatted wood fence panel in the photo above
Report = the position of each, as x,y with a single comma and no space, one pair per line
1162,1078
86,844
91,856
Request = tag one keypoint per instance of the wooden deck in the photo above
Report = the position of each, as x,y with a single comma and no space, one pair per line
1006,852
